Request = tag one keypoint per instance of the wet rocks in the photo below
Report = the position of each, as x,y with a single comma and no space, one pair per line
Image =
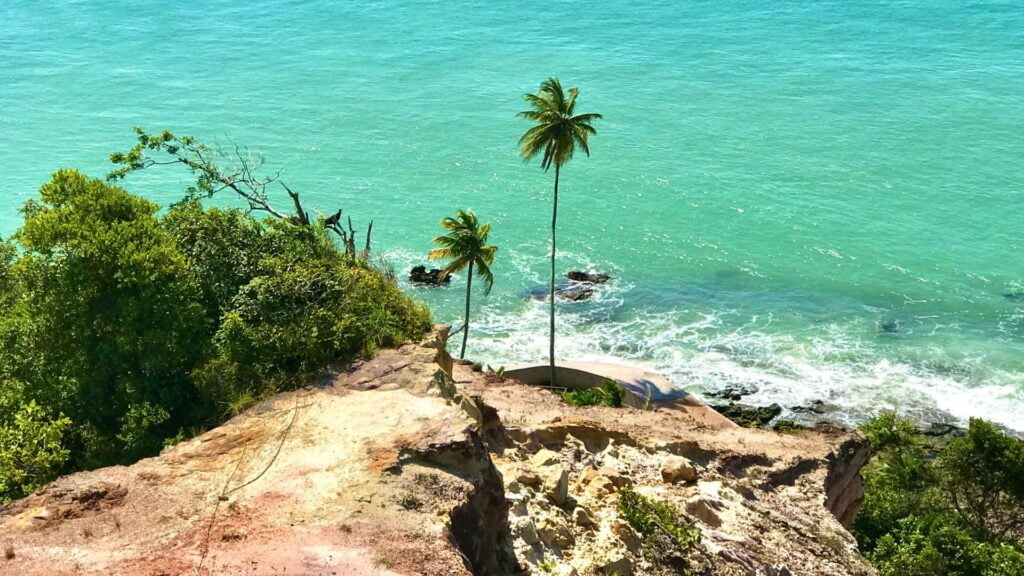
749,416
433,277
734,392
577,293
943,430
591,277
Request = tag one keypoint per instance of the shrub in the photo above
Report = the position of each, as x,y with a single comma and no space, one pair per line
953,511
607,394
31,451
657,522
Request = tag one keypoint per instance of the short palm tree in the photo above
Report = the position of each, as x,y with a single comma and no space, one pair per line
464,246
556,135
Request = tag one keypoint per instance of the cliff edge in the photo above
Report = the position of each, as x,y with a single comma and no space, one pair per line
406,464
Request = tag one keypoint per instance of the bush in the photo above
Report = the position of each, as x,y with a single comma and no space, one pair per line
31,451
608,394
956,510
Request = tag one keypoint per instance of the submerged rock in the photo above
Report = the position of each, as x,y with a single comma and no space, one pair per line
434,276
575,293
890,325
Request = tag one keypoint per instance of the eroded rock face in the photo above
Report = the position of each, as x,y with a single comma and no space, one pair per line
757,497
380,470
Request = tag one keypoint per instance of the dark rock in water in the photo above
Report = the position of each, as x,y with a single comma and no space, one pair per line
575,293
749,416
734,392
815,407
940,429
592,277
434,276
572,293
1014,296
890,325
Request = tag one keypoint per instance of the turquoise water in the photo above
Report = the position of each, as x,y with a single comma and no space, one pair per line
772,187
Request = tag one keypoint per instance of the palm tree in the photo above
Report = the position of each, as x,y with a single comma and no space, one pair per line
558,132
465,245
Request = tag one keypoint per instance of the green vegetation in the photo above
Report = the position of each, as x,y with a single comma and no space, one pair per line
556,135
464,246
607,394
956,510
666,539
122,330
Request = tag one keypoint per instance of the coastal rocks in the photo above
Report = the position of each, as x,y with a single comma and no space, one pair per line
943,430
815,407
433,277
677,469
749,416
591,277
576,293
734,392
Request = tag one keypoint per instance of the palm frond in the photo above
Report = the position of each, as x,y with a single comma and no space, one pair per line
558,130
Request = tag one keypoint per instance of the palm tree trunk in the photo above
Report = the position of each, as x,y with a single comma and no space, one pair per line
465,323
554,219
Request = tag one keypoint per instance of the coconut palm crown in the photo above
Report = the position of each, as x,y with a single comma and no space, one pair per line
465,246
557,133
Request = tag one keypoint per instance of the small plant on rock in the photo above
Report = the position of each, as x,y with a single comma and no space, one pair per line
666,539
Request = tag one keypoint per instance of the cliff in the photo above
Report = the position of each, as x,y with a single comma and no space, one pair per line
391,466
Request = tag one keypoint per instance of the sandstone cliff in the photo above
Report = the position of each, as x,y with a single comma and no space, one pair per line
393,467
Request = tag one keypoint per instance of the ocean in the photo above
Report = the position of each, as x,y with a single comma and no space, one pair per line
823,200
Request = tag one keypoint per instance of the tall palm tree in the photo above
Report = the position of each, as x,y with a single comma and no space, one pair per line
557,134
465,245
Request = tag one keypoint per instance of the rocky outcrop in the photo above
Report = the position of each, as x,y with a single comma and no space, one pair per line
844,485
591,277
764,502
434,276
398,466
750,416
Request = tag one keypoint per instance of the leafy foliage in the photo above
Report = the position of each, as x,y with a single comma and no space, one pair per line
558,129
135,328
31,451
607,394
953,510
